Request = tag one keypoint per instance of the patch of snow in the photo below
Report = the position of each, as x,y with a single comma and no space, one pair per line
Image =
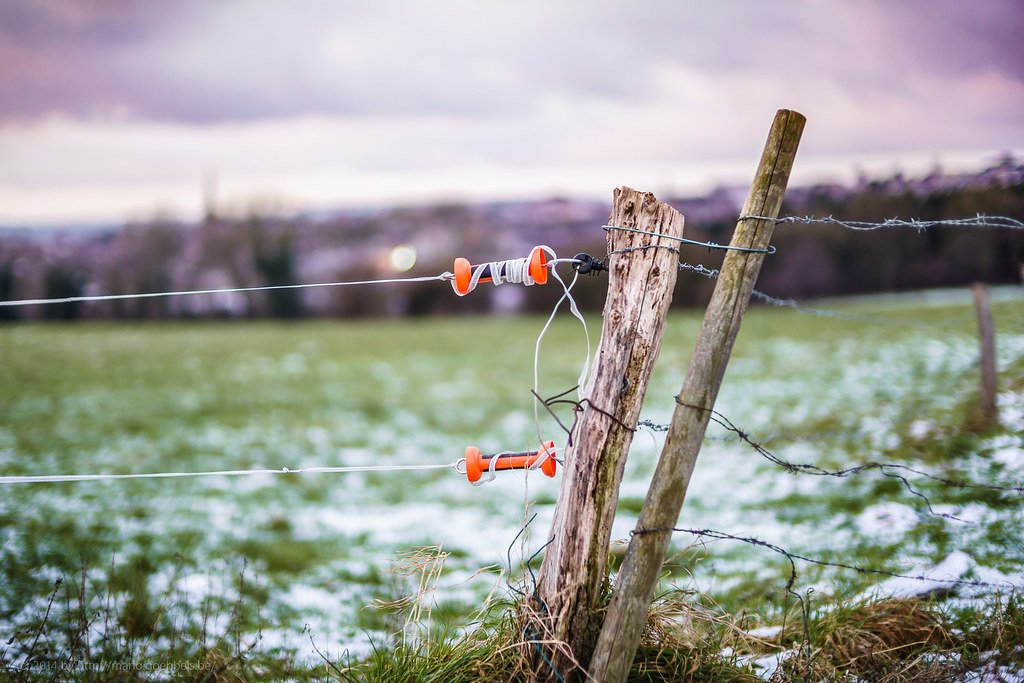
973,513
765,666
995,673
919,429
337,647
515,424
194,586
994,576
293,364
932,580
1011,409
765,632
302,597
1010,456
887,518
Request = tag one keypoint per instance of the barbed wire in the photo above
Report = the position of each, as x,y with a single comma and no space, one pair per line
793,557
779,302
683,240
653,426
887,469
897,471
978,221
726,423
645,247
712,274
577,409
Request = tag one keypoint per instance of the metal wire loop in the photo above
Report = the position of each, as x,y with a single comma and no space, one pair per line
710,245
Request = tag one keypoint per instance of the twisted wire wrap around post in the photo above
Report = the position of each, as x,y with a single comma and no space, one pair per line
709,245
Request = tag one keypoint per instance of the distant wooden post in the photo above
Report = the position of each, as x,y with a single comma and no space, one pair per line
987,408
574,570
641,568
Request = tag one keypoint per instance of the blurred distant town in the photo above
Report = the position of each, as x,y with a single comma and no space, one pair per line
261,248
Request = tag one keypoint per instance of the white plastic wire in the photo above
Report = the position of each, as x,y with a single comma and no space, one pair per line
514,271
491,470
54,478
584,371
517,271
225,290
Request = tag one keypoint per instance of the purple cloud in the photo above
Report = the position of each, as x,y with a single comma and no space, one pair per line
201,62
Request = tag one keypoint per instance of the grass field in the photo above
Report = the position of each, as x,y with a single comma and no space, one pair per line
220,570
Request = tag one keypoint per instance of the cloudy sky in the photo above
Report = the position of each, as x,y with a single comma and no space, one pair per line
119,109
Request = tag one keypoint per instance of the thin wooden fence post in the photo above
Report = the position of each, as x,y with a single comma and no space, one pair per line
642,275
641,568
987,407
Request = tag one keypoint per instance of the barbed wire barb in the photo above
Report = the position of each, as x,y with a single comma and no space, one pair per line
779,302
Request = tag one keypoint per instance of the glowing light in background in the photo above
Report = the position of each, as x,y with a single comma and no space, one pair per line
402,258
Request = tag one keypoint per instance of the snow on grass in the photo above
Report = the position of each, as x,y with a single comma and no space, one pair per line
996,673
830,393
928,580
887,519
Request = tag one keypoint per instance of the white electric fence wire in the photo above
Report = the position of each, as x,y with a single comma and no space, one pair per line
513,271
517,271
510,271
54,478
584,371
491,470
226,290
524,537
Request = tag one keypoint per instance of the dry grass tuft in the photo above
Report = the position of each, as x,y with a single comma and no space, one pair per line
686,640
870,638
890,641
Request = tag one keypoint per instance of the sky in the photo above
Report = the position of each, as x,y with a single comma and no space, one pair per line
115,110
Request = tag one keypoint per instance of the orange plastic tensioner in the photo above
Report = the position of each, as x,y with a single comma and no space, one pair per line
477,463
464,271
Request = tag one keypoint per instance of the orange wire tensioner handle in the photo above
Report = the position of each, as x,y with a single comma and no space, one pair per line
463,271
478,463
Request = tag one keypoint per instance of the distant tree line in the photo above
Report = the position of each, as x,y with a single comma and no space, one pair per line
262,249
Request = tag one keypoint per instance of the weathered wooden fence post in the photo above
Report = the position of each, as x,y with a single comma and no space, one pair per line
641,568
987,408
642,276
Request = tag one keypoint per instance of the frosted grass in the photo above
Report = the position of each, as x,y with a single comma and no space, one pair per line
177,397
